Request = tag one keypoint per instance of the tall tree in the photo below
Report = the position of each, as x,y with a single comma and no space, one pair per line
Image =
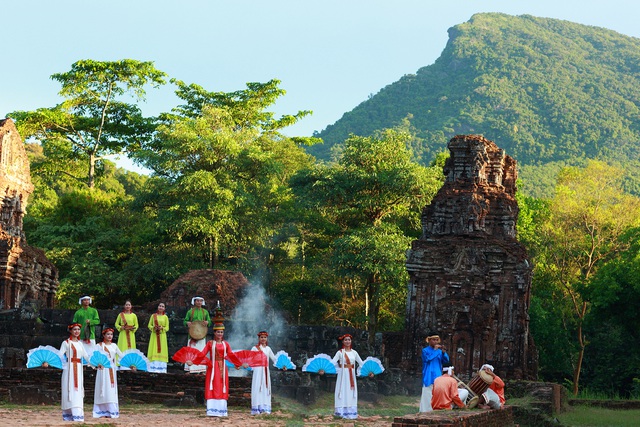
94,120
222,167
588,216
372,188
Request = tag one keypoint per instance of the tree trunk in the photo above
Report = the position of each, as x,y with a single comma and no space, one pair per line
92,171
582,344
374,307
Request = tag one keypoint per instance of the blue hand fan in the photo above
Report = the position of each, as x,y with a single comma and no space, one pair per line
134,357
231,365
99,357
45,353
284,361
370,365
320,362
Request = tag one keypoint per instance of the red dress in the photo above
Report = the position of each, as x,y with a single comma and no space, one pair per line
216,384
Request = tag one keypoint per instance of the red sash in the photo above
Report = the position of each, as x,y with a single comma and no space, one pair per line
155,322
349,366
75,360
113,382
124,323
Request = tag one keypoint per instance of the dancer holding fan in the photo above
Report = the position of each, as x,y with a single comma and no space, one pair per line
105,398
127,325
73,375
346,394
261,382
158,352
216,386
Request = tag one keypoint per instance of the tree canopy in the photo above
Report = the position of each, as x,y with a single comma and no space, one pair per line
94,121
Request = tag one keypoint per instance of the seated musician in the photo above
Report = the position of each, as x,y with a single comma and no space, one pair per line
446,392
494,396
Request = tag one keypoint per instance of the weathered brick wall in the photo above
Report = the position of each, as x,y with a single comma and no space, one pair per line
469,278
458,418
42,386
25,272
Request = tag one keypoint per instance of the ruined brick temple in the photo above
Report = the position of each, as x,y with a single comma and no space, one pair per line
469,278
25,272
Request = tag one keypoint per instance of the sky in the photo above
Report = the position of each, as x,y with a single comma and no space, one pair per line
329,55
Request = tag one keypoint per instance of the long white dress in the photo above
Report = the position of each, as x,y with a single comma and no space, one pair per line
105,396
346,395
261,384
73,380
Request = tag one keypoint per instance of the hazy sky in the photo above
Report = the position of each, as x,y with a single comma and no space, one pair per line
330,55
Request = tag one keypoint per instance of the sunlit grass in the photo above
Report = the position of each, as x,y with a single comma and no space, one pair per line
590,416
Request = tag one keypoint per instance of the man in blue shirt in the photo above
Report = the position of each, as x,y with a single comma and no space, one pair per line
433,357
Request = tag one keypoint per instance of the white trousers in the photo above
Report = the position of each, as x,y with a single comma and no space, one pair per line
425,399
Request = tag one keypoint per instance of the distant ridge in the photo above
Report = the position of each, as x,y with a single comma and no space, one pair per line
549,92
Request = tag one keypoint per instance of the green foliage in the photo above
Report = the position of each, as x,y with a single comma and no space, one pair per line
547,91
571,238
92,122
222,171
371,193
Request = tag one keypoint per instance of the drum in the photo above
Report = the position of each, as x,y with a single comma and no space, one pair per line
480,383
473,402
197,330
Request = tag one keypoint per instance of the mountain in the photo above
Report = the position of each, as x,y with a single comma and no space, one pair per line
550,92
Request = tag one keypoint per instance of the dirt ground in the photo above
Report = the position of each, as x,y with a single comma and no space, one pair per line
172,417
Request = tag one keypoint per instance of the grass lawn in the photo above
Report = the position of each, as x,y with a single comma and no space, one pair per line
601,417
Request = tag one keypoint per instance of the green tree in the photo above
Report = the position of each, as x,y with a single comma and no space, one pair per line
372,188
93,121
221,170
588,215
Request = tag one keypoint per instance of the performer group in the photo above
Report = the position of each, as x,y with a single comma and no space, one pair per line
441,389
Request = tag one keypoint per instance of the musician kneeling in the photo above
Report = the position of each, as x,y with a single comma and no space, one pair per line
446,392
494,396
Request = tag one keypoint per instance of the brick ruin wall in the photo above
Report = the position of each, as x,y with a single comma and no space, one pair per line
25,272
469,278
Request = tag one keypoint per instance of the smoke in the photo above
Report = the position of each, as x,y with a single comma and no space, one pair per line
254,313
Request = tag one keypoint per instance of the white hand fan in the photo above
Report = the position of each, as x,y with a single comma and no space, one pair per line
134,357
320,362
283,360
44,354
99,357
370,365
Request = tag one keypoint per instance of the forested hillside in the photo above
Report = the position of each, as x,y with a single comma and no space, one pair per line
549,92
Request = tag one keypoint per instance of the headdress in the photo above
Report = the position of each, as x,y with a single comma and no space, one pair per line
486,365
432,335
104,331
193,300
73,325
218,319
265,333
345,336
85,297
447,369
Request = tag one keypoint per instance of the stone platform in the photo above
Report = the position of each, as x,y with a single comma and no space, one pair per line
42,386
459,418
